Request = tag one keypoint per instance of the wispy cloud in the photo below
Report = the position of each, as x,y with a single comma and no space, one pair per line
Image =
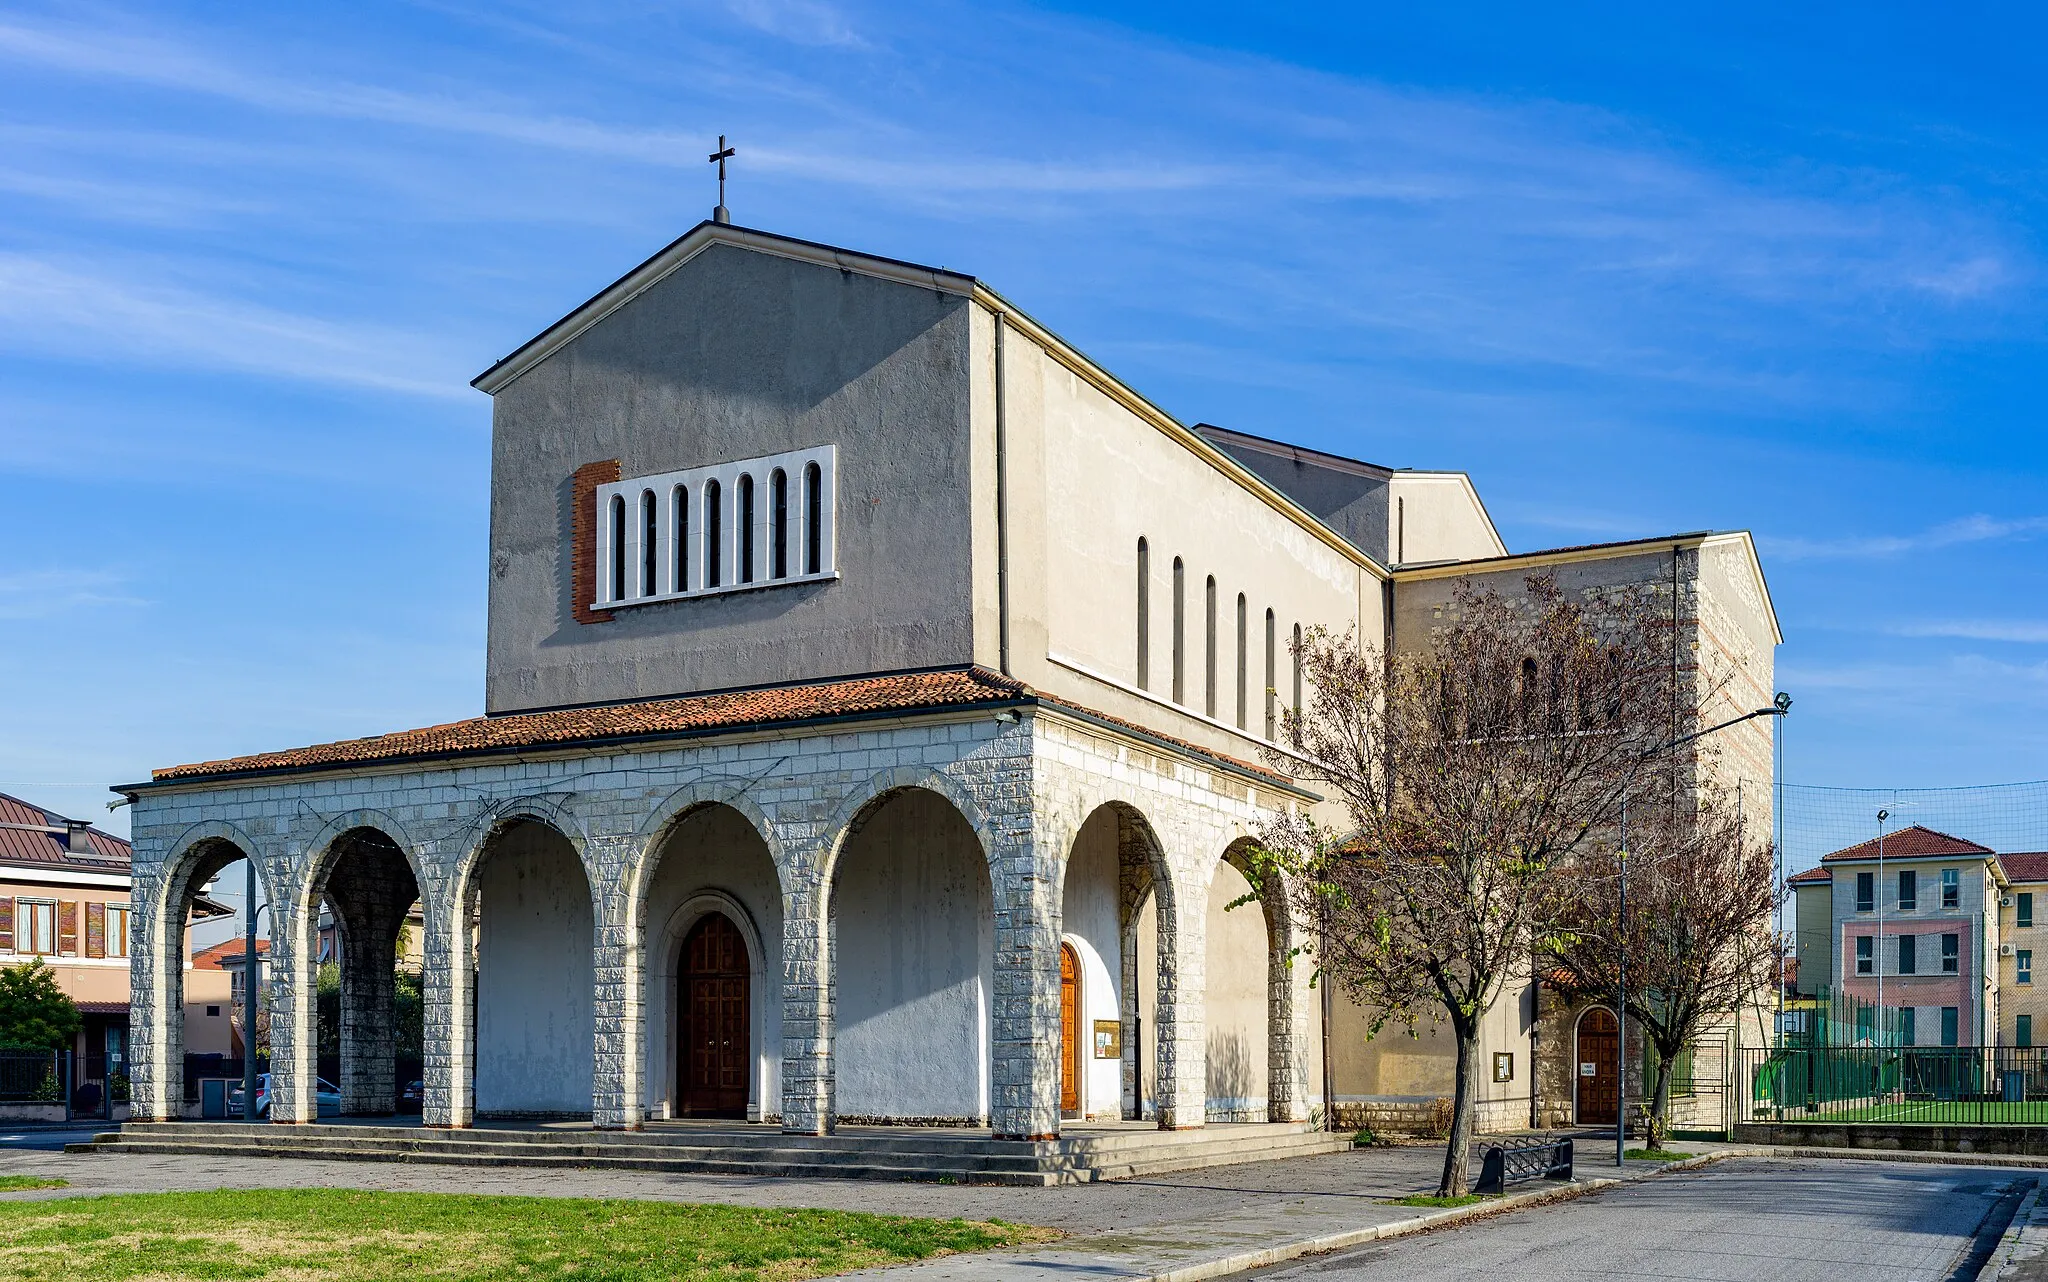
2024,631
85,312
54,593
1969,529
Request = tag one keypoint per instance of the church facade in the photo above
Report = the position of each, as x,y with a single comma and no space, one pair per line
879,698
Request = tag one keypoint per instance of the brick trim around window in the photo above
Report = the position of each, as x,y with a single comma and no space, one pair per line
583,487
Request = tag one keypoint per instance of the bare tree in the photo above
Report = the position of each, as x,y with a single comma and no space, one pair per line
1696,939
1469,772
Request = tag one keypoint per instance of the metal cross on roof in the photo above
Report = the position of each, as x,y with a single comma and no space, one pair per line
719,157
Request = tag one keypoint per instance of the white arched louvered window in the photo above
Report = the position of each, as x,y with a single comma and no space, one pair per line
714,531
717,530
778,524
618,565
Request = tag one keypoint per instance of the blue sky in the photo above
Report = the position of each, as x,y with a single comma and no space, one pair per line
1638,274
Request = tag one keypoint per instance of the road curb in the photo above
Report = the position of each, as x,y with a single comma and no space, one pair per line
2008,1245
1266,1257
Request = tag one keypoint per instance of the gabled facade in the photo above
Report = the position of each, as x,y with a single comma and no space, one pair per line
879,698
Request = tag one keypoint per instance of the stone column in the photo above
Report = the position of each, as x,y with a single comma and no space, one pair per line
448,991
807,1095
369,891
616,968
1288,1010
156,978
1182,1032
294,1030
1024,1016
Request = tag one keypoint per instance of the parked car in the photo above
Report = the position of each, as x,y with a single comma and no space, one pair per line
413,1098
325,1097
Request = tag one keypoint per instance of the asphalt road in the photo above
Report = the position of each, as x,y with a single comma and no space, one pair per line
1739,1221
48,1138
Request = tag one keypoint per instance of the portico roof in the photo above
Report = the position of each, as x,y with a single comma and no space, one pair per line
951,689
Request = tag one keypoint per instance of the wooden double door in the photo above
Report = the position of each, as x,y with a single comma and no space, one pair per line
714,1019
1599,1090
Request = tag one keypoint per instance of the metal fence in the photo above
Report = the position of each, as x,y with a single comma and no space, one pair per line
83,1086
1895,1085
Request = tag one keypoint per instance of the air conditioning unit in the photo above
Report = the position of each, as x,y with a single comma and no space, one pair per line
2005,950
2005,901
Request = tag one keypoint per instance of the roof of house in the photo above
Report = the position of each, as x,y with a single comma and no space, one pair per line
228,950
29,834
1811,876
102,1008
2030,865
1915,842
684,717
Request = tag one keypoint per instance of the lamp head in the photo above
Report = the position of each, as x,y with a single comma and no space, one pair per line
1783,703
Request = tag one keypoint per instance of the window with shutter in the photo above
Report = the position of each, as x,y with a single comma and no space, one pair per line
95,930
67,928
6,925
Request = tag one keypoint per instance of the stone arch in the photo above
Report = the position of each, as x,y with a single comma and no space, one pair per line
740,861
864,802
532,1047
1281,1069
1147,886
158,1053
366,870
674,810
912,1019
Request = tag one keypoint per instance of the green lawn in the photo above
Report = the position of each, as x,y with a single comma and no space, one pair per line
360,1236
15,1183
1935,1113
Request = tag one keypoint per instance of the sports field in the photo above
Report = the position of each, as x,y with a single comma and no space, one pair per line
1934,1113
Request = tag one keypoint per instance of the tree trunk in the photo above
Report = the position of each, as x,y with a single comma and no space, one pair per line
1660,1101
1458,1149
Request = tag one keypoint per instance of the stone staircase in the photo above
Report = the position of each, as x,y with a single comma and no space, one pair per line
875,1153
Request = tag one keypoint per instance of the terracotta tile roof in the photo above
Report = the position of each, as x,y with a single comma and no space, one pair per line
228,950
688,715
30,834
102,1008
2029,865
1915,842
1812,876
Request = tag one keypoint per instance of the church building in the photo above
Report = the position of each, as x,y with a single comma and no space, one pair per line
879,698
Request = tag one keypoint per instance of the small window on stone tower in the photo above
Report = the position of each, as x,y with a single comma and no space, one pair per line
744,522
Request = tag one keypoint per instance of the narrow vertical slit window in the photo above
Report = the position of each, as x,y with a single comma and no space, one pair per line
618,567
650,544
1180,618
778,514
1272,680
1209,648
1144,615
714,529
1243,674
1295,649
744,524
681,540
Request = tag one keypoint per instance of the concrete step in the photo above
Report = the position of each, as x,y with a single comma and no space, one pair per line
867,1155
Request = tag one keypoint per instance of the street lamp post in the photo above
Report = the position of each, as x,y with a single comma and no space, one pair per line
1779,707
251,968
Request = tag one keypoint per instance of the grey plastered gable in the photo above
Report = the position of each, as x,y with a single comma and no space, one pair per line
728,352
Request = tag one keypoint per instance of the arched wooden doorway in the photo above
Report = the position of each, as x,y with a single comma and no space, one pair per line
1594,1068
713,1015
1070,1032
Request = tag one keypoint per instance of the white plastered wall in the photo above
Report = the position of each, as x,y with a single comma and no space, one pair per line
1235,1001
1437,516
535,1035
913,944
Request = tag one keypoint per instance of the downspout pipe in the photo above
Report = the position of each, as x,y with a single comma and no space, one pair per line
1002,511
